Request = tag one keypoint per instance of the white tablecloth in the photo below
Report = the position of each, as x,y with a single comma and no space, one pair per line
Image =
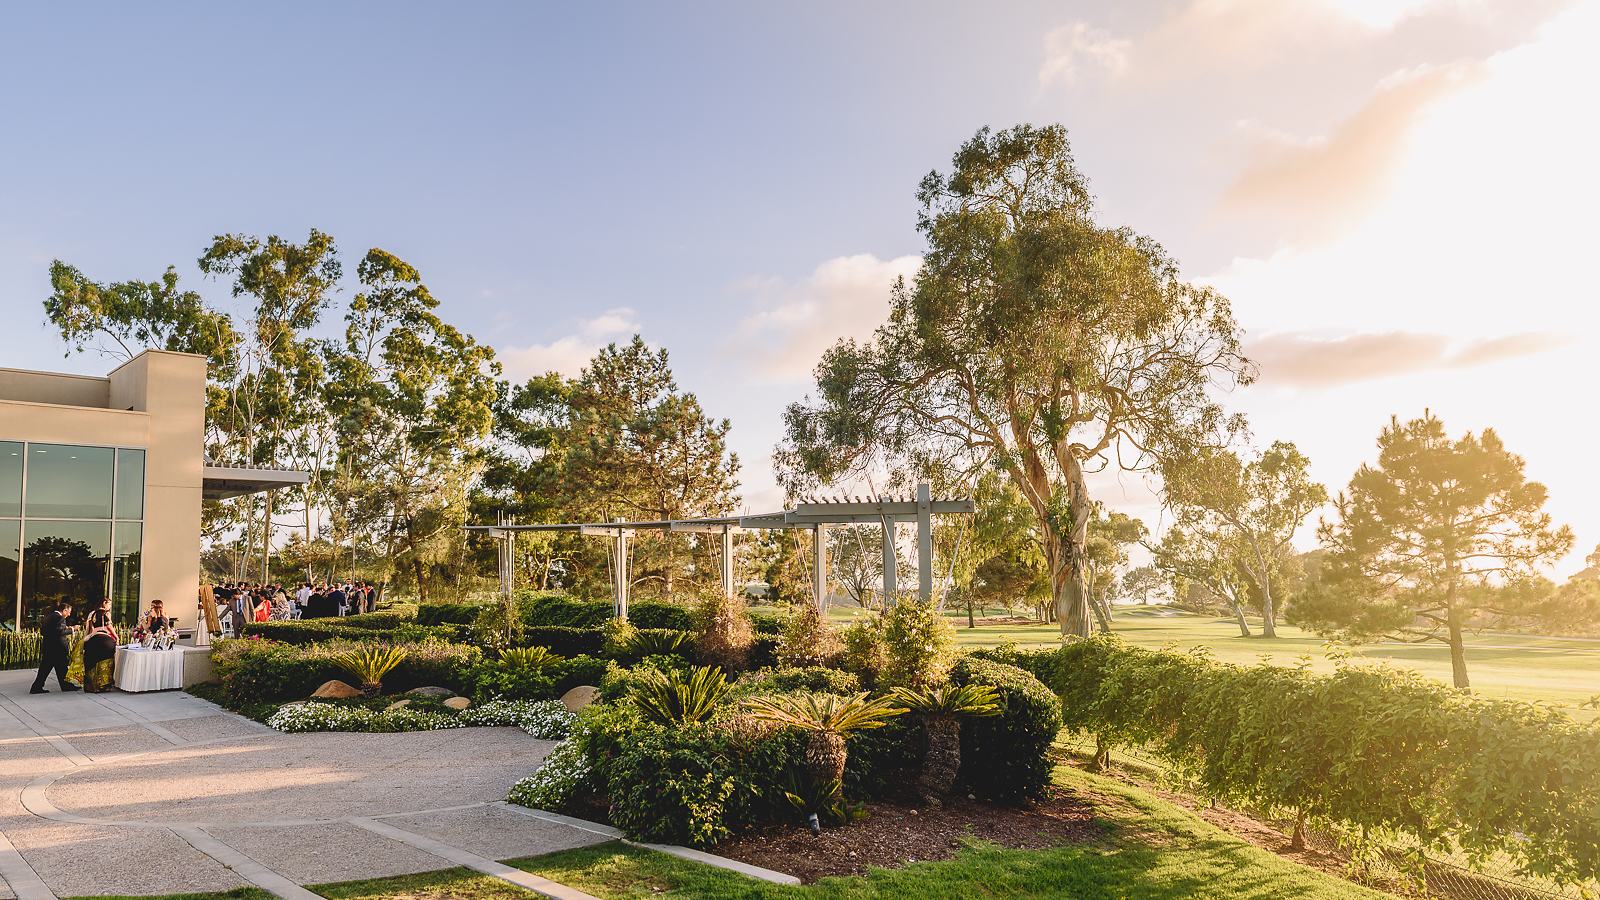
149,670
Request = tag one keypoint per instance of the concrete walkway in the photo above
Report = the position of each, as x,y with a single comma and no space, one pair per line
166,793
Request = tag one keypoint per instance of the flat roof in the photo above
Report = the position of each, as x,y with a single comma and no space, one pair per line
222,482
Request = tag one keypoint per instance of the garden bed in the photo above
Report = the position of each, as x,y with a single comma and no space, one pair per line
893,835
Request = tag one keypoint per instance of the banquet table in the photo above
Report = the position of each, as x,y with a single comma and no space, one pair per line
139,669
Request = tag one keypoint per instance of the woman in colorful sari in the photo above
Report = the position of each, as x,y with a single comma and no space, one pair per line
99,649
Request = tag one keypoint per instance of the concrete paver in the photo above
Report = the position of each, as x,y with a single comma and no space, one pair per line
167,793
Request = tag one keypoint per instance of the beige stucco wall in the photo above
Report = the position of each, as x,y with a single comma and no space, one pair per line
157,402
50,387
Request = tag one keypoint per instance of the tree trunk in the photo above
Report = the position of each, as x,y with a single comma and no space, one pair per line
1298,840
1458,650
1238,615
943,759
1102,614
1269,627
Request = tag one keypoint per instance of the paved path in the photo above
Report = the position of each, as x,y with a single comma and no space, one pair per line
163,793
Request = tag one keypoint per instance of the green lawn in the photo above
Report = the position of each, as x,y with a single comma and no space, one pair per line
1518,666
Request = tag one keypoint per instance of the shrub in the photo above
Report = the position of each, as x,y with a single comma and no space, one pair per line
865,653
566,641
769,622
1006,757
392,618
1367,746
520,673
546,609
447,613
722,632
562,776
254,671
369,665
826,719
547,720
646,642
809,640
498,624
673,787
814,679
671,700
654,614
919,643
580,670
313,631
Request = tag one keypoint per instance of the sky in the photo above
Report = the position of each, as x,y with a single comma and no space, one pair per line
1398,196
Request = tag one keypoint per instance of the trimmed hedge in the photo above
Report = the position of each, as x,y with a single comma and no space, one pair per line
654,614
253,671
1371,747
1006,757
494,680
563,640
312,631
383,619
447,613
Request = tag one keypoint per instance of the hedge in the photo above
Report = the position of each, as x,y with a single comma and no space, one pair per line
1368,746
563,640
253,671
447,613
1006,757
311,631
20,649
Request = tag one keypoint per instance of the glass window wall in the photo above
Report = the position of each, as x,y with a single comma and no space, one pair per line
68,482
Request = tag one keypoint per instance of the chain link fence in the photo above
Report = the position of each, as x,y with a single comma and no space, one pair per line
1395,865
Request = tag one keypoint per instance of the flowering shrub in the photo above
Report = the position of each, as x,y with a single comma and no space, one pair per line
545,719
306,717
561,776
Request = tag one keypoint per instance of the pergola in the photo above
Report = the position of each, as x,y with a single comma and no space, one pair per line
814,514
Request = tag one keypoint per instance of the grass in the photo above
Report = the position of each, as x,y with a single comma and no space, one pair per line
1558,670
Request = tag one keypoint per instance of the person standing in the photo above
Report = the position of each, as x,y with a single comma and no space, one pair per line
55,650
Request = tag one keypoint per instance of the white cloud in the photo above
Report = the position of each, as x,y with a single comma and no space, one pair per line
1071,49
568,355
1296,359
847,296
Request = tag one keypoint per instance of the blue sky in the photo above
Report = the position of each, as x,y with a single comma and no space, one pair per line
736,181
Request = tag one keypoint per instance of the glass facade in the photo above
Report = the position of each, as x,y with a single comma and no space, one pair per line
71,526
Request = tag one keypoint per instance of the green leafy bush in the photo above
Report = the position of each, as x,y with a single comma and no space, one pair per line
447,613
783,680
1006,757
369,664
312,631
654,614
641,643
565,640
865,653
769,622
920,645
545,609
254,671
675,698
1368,746
673,787
383,619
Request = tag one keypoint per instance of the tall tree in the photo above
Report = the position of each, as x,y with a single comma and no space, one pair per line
1034,339
413,397
1254,508
1437,531
1140,581
1110,535
1210,558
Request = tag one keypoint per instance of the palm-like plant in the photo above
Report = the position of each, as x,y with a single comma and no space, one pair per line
671,699
654,642
941,709
369,664
529,658
827,718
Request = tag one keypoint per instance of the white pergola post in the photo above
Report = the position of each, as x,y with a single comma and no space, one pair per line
889,563
620,550
819,566
924,543
727,561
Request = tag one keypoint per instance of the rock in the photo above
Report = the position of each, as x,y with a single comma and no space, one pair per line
458,703
336,690
580,696
437,693
398,704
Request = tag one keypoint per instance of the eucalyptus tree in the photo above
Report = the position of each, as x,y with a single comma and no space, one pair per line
1254,507
1209,558
413,401
1140,581
1438,532
1033,338
1110,536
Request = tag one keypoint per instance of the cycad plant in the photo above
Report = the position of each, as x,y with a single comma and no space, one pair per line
644,643
827,718
941,710
368,665
672,700
530,659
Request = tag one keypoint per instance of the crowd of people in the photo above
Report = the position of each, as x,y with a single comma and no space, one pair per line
100,642
275,602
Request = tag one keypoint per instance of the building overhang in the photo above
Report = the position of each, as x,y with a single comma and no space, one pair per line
222,482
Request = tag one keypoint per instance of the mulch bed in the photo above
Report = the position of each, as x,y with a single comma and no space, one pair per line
893,835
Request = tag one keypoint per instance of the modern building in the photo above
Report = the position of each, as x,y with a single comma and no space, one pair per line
101,483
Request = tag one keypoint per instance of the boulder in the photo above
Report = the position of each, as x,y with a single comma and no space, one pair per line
398,704
458,703
438,693
336,690
579,697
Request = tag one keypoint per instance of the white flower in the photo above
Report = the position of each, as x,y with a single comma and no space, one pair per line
558,779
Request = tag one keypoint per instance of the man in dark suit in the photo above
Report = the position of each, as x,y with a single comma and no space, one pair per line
55,651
